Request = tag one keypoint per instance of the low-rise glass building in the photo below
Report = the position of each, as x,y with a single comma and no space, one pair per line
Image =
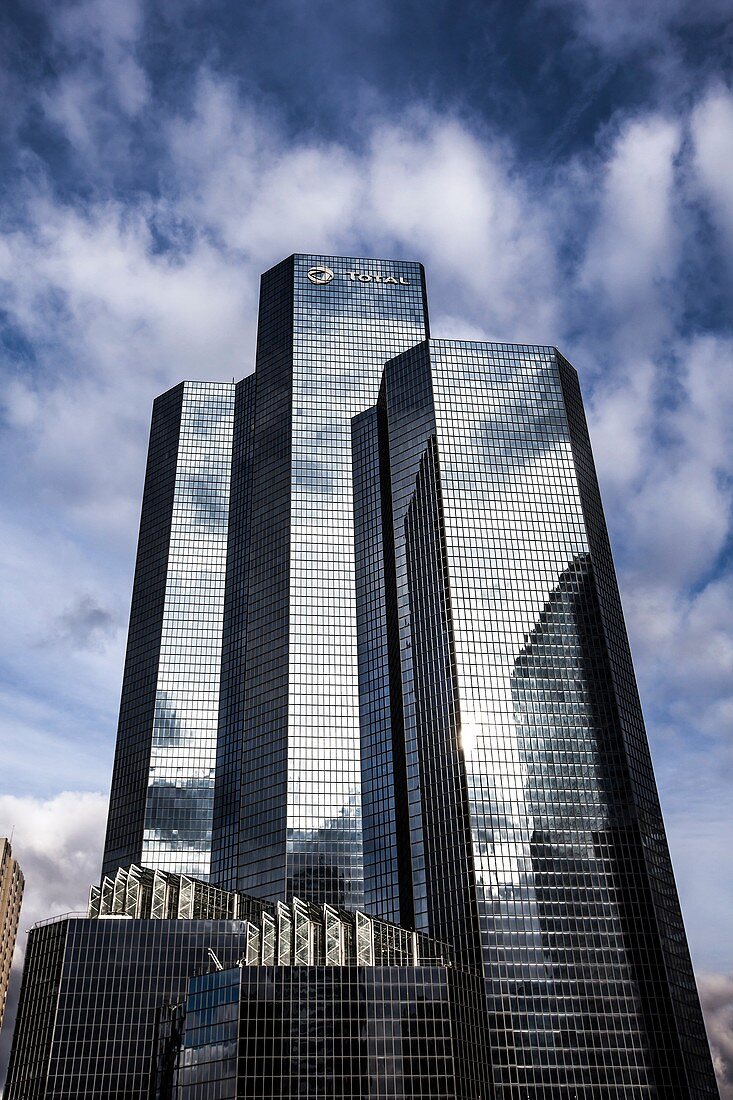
327,1032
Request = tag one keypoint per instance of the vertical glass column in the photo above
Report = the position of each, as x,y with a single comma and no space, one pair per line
387,877
326,327
344,332
129,791
179,804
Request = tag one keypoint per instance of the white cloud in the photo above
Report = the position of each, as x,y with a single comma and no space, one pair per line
634,246
463,206
624,25
58,843
671,511
712,136
97,74
716,994
673,501
113,322
423,186
234,173
621,416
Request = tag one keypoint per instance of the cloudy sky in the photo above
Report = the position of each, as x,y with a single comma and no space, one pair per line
562,168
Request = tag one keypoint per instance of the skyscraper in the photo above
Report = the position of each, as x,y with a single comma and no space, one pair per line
287,812
293,824
494,643
11,896
376,658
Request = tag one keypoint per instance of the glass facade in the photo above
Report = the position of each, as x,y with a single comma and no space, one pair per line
230,744
327,1002
387,865
92,996
326,327
102,992
532,804
331,1032
238,743
161,805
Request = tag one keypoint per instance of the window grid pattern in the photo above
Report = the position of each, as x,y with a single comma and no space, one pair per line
537,734
387,882
321,349
180,798
577,995
343,333
347,1032
128,794
34,1027
161,802
449,880
406,407
261,828
92,995
95,989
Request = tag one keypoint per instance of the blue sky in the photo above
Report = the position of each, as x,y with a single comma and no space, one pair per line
563,169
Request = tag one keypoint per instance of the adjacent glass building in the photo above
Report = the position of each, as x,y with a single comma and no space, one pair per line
171,987
494,662
92,995
383,818
327,1003
162,798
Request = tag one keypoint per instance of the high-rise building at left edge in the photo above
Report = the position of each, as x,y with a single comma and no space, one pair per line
11,896
383,820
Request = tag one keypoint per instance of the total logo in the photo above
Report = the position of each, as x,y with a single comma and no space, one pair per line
322,275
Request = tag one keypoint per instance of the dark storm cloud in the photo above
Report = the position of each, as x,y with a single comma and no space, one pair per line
84,624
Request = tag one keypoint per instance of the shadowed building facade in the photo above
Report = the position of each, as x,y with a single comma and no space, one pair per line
91,997
350,1031
327,1003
